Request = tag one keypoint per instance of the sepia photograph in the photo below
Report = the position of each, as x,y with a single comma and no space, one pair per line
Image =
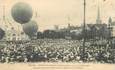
57,34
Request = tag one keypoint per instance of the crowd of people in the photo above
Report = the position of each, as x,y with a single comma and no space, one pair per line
56,50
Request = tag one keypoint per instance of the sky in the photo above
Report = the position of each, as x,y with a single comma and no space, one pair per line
56,12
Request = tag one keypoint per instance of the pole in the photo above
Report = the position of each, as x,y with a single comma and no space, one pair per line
84,32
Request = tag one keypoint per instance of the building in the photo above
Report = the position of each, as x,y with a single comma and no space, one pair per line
11,31
98,20
99,29
111,25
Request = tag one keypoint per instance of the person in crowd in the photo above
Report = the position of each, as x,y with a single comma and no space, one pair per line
58,50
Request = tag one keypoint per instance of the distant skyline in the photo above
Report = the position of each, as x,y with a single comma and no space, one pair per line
56,12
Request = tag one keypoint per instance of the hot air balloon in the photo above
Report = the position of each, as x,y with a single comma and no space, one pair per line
21,12
30,29
2,33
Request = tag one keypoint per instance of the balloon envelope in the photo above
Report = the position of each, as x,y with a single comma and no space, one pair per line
30,28
21,12
2,33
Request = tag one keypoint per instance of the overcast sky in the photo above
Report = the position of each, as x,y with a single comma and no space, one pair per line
56,12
